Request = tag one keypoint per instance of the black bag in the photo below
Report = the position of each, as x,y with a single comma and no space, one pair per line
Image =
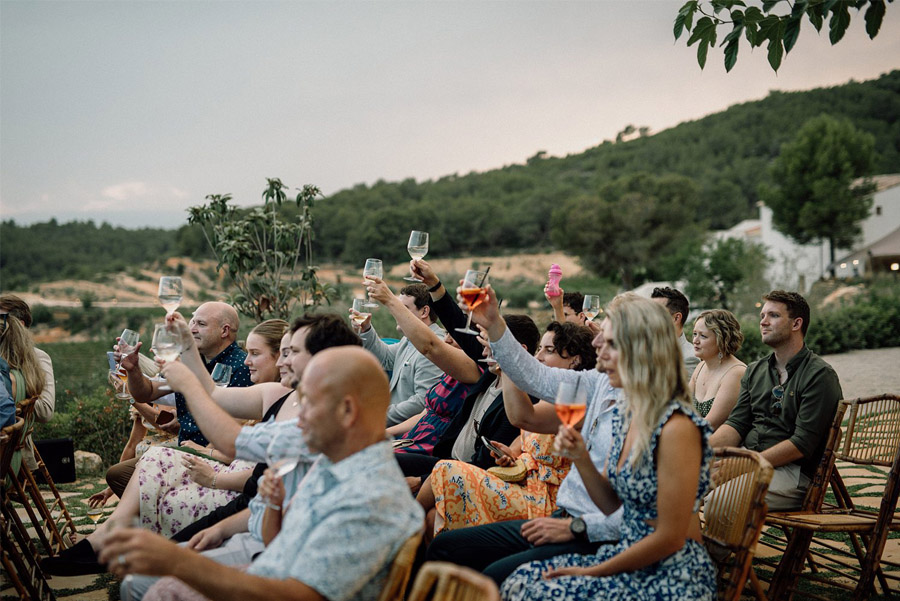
59,457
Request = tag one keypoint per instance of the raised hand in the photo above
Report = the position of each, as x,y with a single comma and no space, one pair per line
569,443
422,270
378,290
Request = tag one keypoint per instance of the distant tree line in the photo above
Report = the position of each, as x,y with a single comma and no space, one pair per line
663,190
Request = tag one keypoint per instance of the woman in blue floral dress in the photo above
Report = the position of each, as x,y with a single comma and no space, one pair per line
659,451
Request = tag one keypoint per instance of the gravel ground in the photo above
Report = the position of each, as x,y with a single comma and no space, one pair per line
867,373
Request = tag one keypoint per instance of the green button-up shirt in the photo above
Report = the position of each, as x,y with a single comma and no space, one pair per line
811,395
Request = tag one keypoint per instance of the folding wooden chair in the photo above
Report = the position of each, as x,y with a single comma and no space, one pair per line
733,517
442,581
401,568
872,438
18,554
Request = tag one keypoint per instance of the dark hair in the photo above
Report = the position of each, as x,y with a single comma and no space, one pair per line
325,330
574,340
419,293
574,300
676,302
524,331
795,303
17,307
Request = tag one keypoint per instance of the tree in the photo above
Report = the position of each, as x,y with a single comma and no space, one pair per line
727,274
629,230
267,257
777,24
816,193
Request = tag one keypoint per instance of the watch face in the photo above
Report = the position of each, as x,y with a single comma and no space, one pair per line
577,526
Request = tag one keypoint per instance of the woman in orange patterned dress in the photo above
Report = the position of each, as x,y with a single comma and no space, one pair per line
465,495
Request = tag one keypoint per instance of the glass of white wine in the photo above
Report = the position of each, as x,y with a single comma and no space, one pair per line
375,269
221,375
283,452
128,339
166,345
591,307
361,315
417,248
94,514
171,292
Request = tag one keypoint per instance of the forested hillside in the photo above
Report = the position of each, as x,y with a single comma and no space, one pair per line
725,156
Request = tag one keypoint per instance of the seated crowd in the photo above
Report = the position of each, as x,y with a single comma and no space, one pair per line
456,437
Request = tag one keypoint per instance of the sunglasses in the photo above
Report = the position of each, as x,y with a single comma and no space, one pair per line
778,395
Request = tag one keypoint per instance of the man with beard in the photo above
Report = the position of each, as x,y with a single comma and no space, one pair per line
786,402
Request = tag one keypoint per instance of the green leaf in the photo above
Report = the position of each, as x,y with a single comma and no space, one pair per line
816,15
840,20
752,15
731,50
702,50
776,53
768,5
791,32
769,28
685,17
705,31
874,17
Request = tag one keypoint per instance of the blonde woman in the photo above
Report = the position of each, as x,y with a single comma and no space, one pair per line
659,451
22,376
716,382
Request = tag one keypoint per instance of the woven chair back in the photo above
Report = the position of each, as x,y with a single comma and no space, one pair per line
401,569
872,432
442,581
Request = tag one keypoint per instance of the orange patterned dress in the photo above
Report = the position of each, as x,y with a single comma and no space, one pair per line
466,495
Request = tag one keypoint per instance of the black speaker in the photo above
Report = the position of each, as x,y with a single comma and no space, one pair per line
59,457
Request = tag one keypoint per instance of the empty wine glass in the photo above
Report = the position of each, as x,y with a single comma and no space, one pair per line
360,306
166,345
374,269
283,452
221,375
591,307
417,248
171,291
472,292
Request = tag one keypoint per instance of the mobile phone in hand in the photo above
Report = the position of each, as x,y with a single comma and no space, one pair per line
492,447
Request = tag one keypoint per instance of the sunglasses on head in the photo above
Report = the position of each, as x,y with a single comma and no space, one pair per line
778,395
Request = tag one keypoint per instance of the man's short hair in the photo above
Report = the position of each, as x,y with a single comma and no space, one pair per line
325,330
575,341
574,300
419,294
524,331
795,303
676,301
14,305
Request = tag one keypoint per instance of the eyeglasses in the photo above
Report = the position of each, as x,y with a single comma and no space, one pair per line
778,395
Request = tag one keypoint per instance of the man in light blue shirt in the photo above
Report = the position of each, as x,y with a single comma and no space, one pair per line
342,528
578,525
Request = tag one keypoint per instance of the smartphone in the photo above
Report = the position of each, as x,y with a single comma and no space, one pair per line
494,448
164,417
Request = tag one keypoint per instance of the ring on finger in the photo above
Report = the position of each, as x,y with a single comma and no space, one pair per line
121,559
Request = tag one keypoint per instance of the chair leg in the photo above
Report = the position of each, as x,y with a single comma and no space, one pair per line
65,516
22,498
49,523
791,564
757,586
22,564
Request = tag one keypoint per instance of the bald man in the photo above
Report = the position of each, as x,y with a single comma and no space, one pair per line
338,538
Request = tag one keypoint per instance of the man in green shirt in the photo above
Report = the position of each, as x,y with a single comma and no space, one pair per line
786,403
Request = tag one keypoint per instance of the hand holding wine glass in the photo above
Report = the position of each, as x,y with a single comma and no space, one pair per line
359,317
127,343
373,268
570,405
473,293
283,452
417,247
591,307
221,375
166,343
171,292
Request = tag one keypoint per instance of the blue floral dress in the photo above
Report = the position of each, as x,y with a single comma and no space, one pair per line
688,573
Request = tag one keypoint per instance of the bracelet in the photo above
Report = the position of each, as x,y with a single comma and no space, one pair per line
215,477
435,287
273,506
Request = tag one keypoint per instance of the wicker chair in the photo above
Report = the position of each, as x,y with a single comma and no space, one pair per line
872,438
442,581
18,553
401,568
733,517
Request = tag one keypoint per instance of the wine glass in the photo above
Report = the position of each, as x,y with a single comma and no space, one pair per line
94,514
374,269
166,345
128,339
472,292
570,403
221,375
360,306
171,291
283,452
417,248
591,307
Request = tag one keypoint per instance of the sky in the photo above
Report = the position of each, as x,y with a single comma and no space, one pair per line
130,112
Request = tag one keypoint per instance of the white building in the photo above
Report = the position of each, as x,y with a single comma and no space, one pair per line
797,267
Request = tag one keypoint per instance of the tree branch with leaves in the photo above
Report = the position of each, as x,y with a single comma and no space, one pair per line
776,23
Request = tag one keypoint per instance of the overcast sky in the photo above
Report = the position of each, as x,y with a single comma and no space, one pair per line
129,112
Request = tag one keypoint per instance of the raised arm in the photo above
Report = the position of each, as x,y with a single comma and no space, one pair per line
540,417
445,308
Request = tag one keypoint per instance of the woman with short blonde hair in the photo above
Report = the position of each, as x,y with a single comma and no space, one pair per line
716,382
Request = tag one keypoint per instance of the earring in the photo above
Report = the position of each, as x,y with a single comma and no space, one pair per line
721,355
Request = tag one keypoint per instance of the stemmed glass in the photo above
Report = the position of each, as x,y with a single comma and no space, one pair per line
128,339
221,375
361,315
171,291
283,452
570,403
591,307
417,248
166,345
374,269
472,292
94,514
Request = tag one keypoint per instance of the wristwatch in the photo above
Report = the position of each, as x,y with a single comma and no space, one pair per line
578,528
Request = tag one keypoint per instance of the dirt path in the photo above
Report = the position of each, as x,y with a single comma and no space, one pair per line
867,373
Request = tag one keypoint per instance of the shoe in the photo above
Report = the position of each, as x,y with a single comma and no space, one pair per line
77,560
